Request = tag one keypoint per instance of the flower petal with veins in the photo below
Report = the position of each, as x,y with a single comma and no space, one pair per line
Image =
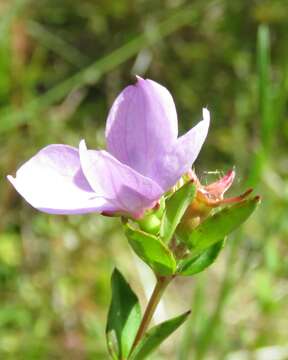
142,126
180,159
52,181
127,190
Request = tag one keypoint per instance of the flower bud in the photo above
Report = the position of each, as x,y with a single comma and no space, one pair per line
207,198
150,223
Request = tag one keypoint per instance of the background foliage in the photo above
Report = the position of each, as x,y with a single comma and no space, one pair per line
61,65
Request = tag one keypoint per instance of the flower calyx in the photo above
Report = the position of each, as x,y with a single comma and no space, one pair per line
209,197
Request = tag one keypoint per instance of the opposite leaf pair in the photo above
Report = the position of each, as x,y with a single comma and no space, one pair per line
124,320
181,249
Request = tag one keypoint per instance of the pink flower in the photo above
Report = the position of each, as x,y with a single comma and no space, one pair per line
144,159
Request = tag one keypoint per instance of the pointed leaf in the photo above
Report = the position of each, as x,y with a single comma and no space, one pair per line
152,251
124,317
154,337
216,227
176,206
196,264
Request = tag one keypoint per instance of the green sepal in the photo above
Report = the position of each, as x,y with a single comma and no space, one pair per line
155,336
196,264
218,226
152,251
176,205
124,318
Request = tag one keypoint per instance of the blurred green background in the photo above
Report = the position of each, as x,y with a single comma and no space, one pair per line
61,65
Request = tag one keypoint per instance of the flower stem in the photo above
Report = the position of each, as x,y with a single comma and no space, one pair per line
161,285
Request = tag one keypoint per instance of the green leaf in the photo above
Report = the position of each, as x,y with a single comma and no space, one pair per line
196,264
218,226
176,206
154,337
152,251
124,317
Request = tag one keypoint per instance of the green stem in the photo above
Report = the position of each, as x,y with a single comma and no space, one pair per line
161,285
